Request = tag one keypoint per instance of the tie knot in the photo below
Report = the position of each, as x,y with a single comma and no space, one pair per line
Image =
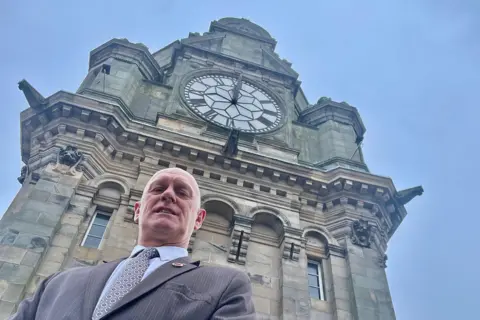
150,253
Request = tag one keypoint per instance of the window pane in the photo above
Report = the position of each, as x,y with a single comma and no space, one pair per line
312,268
101,219
313,281
314,292
96,231
92,242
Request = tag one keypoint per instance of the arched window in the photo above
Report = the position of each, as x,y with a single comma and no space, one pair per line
316,247
106,201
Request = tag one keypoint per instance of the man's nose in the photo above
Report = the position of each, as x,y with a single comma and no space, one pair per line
168,195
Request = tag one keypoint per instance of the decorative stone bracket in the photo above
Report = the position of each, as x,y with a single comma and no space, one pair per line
361,233
292,244
242,229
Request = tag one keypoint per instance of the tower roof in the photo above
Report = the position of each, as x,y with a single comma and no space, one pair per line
242,26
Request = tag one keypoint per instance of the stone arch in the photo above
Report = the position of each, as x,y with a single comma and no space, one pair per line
220,198
268,225
274,212
321,232
219,213
110,179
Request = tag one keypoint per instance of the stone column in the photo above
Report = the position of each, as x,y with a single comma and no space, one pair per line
293,279
242,228
370,295
28,229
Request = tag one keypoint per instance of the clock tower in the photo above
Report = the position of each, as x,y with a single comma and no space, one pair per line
289,198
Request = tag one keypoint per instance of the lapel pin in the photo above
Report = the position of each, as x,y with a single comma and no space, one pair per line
177,264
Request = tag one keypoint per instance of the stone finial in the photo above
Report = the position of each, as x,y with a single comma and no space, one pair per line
361,233
23,174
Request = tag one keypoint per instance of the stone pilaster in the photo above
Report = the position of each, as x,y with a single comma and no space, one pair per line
242,229
29,230
295,299
369,293
338,288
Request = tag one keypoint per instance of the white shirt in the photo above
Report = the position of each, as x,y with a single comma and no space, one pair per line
166,253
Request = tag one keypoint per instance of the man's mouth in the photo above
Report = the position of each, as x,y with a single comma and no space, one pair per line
166,211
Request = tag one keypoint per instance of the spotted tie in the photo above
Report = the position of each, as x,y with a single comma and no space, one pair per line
131,276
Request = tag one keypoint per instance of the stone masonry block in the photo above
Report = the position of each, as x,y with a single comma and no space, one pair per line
6,309
31,228
261,304
50,208
30,259
344,315
61,240
39,195
11,254
48,220
17,274
56,254
72,218
28,216
59,199
48,268
13,293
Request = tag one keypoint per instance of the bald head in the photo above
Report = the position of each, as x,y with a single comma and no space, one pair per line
177,171
169,210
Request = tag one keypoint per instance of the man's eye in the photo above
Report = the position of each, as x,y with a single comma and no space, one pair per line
183,192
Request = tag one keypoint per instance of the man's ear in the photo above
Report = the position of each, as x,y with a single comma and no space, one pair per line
136,212
200,218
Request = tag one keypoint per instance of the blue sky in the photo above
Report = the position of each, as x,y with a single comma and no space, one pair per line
411,67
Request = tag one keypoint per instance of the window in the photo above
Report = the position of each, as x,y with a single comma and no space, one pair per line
315,280
96,230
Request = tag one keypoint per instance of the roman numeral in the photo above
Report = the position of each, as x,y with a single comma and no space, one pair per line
210,114
272,113
198,101
266,122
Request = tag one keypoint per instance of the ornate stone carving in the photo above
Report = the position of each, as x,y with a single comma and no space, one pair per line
361,234
230,149
323,100
23,174
382,261
405,196
68,160
69,156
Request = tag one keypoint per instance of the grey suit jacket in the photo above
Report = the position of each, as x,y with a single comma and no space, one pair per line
187,292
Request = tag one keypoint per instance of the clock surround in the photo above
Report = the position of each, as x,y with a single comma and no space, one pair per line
232,102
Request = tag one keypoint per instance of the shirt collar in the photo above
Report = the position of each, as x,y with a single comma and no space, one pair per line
167,253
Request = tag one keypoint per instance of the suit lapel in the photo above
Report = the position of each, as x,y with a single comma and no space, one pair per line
164,273
96,281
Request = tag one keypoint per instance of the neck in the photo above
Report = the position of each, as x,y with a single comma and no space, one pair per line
156,244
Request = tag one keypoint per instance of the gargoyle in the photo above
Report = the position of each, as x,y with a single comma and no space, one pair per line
405,196
34,98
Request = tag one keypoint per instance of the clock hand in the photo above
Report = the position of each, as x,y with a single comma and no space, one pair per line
236,89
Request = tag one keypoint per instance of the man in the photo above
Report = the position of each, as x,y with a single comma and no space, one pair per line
158,280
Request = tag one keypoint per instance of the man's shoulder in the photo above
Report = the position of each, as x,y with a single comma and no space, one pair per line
222,271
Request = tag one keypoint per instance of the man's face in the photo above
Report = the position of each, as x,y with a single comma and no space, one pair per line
169,210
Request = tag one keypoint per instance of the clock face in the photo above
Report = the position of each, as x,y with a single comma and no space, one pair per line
232,103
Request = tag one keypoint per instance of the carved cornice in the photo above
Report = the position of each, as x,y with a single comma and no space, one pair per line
82,114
